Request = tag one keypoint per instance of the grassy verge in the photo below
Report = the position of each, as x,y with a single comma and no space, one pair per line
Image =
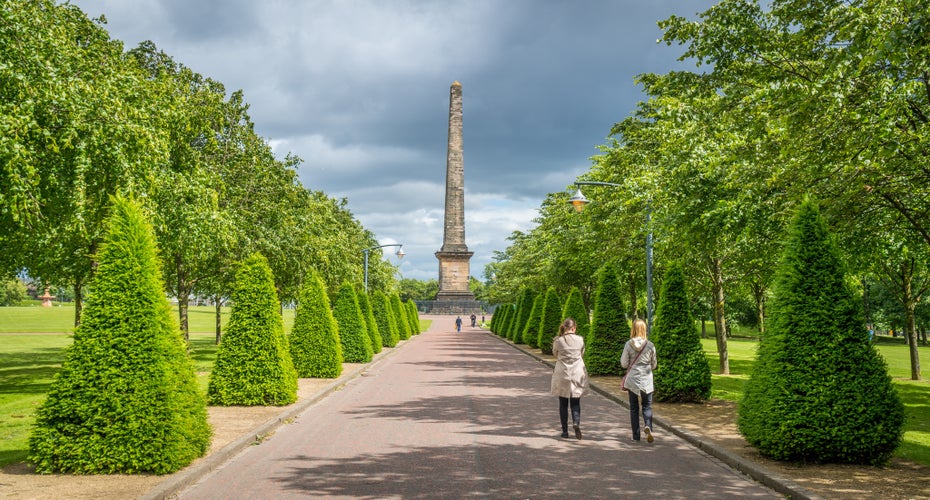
915,394
28,364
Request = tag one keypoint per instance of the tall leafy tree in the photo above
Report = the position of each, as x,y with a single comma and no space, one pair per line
253,366
819,391
314,340
75,112
609,326
126,399
682,374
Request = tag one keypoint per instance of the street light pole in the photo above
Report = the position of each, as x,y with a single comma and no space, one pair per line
578,201
400,254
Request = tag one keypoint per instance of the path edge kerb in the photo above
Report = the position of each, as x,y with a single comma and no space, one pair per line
755,471
175,483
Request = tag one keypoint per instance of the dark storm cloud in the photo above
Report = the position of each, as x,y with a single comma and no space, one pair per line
359,90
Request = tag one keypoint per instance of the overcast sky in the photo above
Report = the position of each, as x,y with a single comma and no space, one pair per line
359,89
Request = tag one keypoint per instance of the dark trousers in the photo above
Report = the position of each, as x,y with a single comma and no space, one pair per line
634,411
563,411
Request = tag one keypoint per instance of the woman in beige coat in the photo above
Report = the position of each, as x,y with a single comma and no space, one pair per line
570,377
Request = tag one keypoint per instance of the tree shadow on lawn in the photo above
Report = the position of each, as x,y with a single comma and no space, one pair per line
30,372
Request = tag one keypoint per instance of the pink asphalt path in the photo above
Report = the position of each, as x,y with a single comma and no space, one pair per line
463,414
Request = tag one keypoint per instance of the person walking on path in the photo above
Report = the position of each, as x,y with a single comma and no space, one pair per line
639,360
458,323
570,376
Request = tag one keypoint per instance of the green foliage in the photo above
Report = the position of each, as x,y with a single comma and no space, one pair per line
524,308
356,344
126,399
549,320
682,374
609,327
531,329
403,324
413,316
253,365
418,289
12,291
314,340
384,316
819,391
371,325
508,311
574,308
499,318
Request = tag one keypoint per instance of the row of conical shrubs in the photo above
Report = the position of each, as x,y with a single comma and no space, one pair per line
819,391
126,399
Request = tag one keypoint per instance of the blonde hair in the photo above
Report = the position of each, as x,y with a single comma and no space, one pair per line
569,323
639,329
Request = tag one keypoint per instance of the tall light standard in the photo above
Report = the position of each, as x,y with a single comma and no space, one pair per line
579,201
400,255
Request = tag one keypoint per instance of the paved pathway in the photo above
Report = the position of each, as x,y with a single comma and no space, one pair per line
464,415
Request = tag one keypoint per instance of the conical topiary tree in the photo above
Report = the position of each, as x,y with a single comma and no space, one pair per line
126,398
524,308
819,391
575,309
531,328
499,318
683,374
356,344
609,328
314,338
508,310
549,320
371,325
412,316
381,307
403,326
253,366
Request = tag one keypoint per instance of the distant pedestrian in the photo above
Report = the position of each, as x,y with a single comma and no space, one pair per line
570,376
639,359
473,320
458,323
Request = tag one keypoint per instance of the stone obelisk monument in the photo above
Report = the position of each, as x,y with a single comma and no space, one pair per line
454,255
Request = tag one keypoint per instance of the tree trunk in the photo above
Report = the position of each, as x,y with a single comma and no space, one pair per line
911,333
758,293
184,289
909,301
703,328
631,281
78,303
720,322
218,302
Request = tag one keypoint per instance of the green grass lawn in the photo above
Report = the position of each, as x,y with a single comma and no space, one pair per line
915,394
29,362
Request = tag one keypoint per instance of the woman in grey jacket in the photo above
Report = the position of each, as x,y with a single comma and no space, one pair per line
639,359
570,377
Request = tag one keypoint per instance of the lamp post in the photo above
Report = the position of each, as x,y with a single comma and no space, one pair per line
578,201
400,255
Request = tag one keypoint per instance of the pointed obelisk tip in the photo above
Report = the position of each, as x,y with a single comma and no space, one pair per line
456,84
